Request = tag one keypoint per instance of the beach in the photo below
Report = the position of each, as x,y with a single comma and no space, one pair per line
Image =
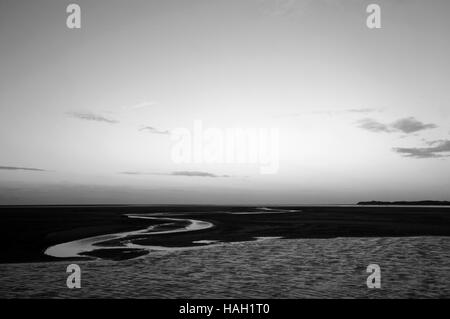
225,252
28,232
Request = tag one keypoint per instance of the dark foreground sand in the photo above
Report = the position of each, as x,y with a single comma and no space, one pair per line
26,232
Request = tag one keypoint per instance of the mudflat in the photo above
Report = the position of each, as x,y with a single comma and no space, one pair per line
27,231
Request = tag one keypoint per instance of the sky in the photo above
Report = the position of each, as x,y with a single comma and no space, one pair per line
86,114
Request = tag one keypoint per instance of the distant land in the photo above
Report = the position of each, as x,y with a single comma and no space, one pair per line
417,203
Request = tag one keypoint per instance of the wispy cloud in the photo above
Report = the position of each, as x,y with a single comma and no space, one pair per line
373,125
362,110
411,125
196,174
346,111
92,117
437,149
135,173
331,112
16,168
140,105
153,130
178,173
406,125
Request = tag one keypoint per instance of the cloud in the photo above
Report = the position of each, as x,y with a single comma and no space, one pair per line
140,105
153,130
406,125
373,125
331,112
196,174
362,110
15,168
179,173
434,142
411,125
135,173
438,150
92,117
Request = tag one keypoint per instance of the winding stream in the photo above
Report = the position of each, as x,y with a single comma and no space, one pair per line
77,247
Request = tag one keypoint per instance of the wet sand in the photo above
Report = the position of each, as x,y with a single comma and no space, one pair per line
123,243
27,232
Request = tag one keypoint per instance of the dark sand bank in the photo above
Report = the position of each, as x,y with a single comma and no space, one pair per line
411,203
116,254
27,232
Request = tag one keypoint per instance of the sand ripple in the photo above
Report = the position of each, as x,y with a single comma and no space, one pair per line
297,268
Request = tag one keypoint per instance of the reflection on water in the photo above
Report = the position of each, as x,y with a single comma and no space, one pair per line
77,247
274,268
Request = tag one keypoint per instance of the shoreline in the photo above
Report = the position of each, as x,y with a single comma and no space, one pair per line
27,233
